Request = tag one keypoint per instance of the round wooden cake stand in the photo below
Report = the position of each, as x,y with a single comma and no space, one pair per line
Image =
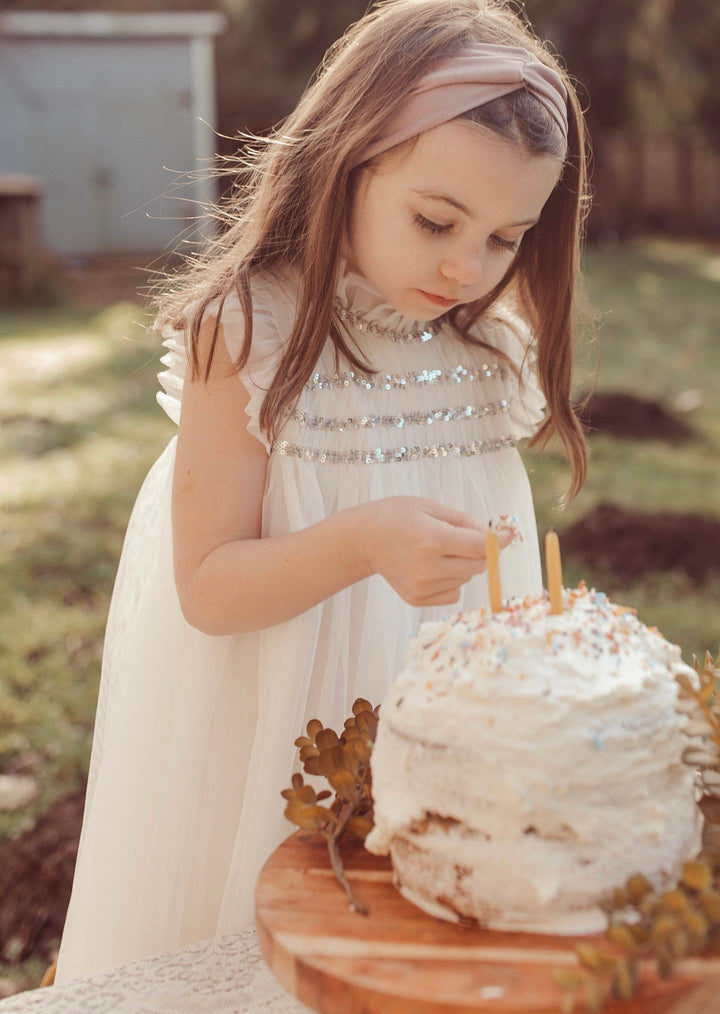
398,960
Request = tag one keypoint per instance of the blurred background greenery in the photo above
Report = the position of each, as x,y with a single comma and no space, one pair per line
79,425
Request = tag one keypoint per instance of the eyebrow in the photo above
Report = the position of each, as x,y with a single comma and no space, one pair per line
446,199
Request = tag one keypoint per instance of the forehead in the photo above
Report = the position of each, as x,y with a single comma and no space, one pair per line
472,165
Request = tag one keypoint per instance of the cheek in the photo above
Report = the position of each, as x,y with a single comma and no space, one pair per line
495,271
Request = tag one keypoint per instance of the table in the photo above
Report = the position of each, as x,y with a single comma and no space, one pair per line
396,961
226,975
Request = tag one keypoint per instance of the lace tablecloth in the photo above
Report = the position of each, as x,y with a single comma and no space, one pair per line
226,975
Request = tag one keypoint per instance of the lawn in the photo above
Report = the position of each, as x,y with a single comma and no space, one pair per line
79,429
79,426
657,311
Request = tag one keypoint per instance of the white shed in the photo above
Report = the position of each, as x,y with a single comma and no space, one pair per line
109,110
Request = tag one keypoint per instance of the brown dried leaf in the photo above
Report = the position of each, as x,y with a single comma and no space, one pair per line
320,765
622,936
674,901
314,726
648,905
637,887
338,758
640,933
351,760
696,874
306,794
344,784
710,904
619,898
319,813
697,930
359,751
326,739
298,814
593,957
663,928
360,827
367,724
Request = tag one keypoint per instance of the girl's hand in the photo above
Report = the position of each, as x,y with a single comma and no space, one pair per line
425,550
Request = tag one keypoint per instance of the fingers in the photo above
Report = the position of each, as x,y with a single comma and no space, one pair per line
458,519
426,550
470,542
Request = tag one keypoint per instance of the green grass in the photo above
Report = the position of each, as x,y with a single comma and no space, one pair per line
79,427
657,308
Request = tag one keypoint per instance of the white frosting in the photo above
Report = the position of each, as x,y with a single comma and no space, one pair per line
550,747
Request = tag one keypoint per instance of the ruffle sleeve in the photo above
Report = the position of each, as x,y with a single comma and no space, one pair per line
274,301
511,335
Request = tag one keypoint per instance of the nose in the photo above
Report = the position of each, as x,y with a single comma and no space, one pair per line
464,268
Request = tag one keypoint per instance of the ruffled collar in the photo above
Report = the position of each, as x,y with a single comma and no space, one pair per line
361,300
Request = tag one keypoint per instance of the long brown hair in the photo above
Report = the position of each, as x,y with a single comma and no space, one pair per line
294,193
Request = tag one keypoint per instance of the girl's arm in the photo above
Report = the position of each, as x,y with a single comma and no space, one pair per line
231,580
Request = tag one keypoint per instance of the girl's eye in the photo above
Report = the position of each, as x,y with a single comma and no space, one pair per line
433,227
505,244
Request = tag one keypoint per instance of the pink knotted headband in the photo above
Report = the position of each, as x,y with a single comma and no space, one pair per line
480,74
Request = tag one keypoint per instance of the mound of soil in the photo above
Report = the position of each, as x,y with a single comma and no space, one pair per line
629,544
36,871
631,418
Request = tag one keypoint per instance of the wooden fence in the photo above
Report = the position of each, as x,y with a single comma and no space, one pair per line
655,182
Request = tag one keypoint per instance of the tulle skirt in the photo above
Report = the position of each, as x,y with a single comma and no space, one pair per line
194,736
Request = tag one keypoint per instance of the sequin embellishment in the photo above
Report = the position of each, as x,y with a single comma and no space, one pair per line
400,381
380,456
356,320
421,418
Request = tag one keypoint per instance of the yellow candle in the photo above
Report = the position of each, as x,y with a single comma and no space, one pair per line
493,570
554,572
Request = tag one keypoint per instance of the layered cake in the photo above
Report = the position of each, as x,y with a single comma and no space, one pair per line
528,763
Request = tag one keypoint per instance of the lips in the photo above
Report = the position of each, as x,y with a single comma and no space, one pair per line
442,301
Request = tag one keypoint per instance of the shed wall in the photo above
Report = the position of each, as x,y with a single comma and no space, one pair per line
98,120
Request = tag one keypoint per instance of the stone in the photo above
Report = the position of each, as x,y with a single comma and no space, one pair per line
17,791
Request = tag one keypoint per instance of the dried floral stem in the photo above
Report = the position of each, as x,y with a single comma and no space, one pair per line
337,864
345,761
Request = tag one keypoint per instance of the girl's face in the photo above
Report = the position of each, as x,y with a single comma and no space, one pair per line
441,225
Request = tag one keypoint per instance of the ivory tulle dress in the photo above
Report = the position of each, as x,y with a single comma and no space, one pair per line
194,733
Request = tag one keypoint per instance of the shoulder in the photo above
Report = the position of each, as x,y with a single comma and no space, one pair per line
273,305
273,301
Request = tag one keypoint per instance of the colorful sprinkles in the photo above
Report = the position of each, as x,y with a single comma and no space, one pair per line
590,626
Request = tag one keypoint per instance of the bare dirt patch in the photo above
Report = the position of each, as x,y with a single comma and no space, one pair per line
36,871
629,417
630,544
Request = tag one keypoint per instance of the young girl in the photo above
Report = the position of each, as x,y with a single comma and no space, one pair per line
350,368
